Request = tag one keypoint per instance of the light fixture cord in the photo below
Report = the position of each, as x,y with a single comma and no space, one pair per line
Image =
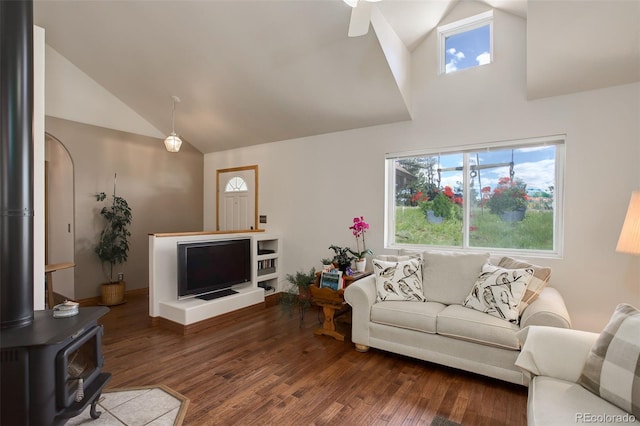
173,118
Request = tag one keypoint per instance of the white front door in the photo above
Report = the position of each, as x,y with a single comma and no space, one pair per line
236,199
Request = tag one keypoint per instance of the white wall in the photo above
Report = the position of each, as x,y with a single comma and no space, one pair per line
38,168
311,188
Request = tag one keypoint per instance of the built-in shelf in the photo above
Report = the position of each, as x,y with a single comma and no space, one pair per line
163,286
266,261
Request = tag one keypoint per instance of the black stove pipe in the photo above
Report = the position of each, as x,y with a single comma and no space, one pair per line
16,163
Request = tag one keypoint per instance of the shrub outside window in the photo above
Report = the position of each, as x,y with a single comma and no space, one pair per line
501,197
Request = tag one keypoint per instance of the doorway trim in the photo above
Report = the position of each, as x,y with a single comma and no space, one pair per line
255,185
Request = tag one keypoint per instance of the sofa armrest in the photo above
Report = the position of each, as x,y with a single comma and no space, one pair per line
554,352
548,310
361,295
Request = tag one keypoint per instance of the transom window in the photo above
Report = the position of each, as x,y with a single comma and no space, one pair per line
236,184
466,43
503,197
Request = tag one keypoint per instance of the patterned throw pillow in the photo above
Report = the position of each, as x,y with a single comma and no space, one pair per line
612,370
498,291
398,280
541,275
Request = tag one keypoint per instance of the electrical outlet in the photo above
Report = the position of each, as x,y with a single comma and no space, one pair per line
263,218
120,276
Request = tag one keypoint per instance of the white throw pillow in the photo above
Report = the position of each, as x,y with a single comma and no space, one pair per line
398,280
498,292
449,276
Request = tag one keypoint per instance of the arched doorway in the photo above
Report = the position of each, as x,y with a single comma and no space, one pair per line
59,213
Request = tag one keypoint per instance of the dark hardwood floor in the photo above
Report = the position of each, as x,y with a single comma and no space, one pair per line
262,368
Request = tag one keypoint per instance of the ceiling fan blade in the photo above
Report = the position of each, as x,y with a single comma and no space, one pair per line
360,18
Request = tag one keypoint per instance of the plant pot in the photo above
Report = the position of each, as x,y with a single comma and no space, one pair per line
432,218
361,264
112,294
512,216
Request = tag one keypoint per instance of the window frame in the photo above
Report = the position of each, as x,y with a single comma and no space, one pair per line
560,141
462,26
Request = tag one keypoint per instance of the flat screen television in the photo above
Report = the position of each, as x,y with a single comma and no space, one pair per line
208,269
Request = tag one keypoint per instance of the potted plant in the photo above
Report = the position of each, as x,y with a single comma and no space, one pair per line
443,205
508,200
298,292
358,228
342,258
113,244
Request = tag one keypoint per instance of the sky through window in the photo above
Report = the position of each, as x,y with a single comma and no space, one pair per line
468,49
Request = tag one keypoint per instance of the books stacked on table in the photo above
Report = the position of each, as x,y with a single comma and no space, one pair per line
66,309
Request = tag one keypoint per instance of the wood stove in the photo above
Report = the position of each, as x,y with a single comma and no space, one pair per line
41,364
43,360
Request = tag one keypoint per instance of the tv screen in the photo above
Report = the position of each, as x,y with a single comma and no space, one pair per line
208,269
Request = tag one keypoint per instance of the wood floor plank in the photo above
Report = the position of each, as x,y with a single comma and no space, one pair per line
263,367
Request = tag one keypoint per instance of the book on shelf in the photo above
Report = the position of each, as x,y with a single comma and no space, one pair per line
332,280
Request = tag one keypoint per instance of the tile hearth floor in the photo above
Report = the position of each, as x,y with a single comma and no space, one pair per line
153,406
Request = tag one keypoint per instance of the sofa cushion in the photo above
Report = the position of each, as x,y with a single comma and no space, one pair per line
398,280
403,255
498,292
541,275
413,316
612,370
449,276
468,324
556,402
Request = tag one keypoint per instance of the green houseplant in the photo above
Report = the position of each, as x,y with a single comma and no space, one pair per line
508,196
113,244
342,257
442,205
298,293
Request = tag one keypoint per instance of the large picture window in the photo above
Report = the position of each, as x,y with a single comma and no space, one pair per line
502,197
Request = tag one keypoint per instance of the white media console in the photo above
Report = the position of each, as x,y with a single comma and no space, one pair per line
163,276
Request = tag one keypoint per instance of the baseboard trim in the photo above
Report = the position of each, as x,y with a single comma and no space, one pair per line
95,301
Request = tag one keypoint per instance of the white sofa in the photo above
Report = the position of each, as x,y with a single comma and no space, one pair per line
446,332
554,358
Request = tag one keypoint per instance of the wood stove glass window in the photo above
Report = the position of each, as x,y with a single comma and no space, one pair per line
82,359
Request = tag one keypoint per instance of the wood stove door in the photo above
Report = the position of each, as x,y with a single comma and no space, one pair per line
81,359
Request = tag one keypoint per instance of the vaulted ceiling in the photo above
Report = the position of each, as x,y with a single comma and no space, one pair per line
251,72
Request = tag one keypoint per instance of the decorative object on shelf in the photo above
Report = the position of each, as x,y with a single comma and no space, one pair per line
343,256
629,241
359,228
66,309
298,293
332,280
113,245
509,196
173,141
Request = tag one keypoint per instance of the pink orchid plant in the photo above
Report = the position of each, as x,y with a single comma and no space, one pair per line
359,228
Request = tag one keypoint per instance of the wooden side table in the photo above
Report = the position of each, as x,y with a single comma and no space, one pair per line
332,303
48,271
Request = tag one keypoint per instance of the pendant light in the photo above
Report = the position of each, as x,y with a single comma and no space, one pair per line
173,142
